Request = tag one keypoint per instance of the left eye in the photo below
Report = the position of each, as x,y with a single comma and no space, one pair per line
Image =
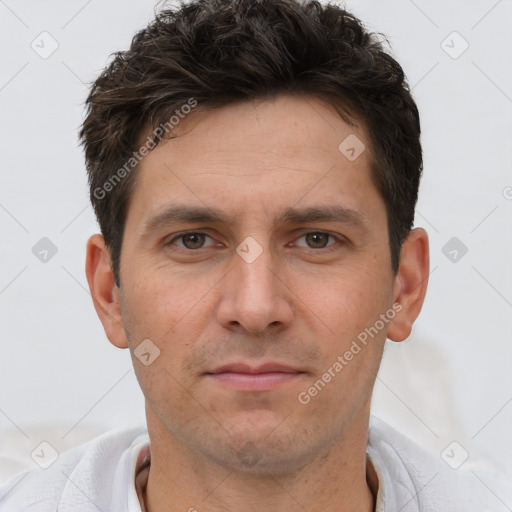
317,240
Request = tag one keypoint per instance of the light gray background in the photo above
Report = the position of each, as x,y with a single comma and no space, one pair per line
451,380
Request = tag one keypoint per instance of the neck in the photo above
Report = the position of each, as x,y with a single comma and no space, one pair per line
338,479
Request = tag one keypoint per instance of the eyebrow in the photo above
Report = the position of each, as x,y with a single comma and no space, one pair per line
330,213
199,214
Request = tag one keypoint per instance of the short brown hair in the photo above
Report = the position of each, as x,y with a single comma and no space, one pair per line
218,52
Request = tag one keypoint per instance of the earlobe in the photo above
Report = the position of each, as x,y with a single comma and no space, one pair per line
410,284
104,293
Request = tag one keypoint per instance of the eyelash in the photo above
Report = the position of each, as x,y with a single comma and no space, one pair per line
327,247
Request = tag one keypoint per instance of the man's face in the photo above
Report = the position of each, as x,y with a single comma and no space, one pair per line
269,281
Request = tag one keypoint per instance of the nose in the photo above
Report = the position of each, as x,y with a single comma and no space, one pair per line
254,297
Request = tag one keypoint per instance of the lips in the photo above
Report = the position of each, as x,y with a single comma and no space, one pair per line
246,368
243,377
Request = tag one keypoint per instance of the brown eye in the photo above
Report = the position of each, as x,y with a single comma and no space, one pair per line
317,240
193,240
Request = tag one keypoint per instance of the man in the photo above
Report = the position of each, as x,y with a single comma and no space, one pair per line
254,166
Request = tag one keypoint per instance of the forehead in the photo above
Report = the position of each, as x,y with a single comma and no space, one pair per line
286,127
259,157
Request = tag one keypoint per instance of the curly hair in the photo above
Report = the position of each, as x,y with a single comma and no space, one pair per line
217,52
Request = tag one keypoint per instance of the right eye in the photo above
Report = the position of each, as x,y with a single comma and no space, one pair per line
191,240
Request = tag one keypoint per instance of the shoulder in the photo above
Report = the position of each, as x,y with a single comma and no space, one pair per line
416,481
91,476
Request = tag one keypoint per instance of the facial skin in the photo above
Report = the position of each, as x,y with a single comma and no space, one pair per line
301,302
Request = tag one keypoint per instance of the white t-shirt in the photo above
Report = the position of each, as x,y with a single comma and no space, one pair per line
101,475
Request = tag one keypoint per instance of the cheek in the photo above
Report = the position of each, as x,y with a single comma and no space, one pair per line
161,302
347,310
347,302
170,312
166,393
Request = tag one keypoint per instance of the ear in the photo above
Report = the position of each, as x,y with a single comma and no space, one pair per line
410,284
104,292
